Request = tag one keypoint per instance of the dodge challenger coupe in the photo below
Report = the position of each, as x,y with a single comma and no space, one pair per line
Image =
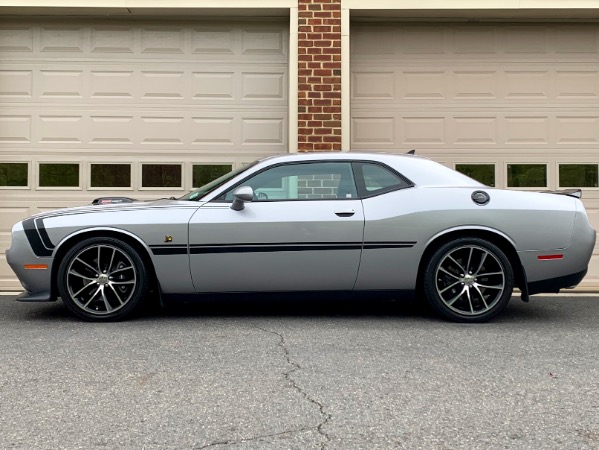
311,222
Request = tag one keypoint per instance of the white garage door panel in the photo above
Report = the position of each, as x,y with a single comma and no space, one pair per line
68,130
72,84
515,130
489,93
98,91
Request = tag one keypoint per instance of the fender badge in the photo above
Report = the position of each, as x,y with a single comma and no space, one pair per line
168,238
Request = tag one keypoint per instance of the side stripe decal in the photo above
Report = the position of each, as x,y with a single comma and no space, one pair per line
200,249
169,249
377,245
268,248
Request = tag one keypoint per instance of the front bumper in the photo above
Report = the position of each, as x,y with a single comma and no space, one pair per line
38,282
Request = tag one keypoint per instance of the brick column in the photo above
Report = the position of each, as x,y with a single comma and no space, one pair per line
319,75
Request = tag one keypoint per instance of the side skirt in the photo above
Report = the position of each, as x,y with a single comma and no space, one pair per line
285,295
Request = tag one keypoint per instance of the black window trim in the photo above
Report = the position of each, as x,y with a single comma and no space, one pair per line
358,181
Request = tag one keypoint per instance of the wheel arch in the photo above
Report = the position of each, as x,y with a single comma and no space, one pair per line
496,237
133,240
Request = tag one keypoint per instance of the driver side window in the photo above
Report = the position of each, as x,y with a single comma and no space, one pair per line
302,181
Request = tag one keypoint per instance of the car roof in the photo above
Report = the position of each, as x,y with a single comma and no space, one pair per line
419,170
315,156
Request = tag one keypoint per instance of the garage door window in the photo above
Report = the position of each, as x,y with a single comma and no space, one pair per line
578,175
59,175
110,176
485,173
13,175
205,173
527,175
161,176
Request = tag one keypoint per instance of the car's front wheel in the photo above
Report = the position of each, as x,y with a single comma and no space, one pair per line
102,279
468,280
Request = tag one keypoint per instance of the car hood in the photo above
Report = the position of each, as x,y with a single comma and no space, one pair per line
117,207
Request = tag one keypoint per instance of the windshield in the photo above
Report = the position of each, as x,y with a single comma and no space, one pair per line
209,187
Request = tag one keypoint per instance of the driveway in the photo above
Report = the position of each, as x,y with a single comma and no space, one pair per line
320,374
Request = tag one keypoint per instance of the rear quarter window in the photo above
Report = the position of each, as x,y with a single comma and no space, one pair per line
376,179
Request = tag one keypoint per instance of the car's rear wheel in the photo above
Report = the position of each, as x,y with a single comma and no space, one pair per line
468,280
102,279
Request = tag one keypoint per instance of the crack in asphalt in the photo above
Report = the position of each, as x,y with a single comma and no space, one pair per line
287,375
295,366
250,439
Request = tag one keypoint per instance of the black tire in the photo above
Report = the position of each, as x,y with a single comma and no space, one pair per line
103,279
468,280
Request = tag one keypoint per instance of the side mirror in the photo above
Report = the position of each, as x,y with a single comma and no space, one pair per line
240,196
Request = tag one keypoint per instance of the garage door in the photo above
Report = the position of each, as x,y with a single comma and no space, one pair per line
141,109
514,105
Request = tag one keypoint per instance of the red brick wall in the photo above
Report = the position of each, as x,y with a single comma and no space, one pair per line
319,75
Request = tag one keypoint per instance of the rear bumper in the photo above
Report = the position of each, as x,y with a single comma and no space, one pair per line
554,285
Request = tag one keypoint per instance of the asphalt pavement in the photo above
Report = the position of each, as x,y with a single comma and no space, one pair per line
319,374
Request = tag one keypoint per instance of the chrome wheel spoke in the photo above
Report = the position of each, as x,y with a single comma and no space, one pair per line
482,297
92,297
122,282
488,274
111,259
449,287
469,259
480,266
489,287
116,294
454,299
469,300
448,273
120,270
77,274
106,302
86,264
457,263
76,294
98,262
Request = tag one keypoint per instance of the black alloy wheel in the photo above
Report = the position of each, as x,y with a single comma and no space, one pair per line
102,279
469,280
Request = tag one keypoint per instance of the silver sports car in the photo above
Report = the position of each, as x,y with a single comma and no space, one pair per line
311,222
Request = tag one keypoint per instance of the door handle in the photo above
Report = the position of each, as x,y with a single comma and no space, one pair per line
346,213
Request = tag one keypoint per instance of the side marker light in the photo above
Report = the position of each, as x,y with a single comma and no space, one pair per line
549,257
36,266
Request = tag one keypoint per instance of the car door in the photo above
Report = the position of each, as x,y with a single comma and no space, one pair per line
391,251
303,231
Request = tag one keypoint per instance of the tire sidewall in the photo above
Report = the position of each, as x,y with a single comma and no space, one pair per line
137,297
429,280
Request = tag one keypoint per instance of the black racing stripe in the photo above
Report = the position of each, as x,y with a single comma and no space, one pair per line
270,248
379,245
41,229
169,249
199,249
34,238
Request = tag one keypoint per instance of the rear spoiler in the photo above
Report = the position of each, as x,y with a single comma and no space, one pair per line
577,193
